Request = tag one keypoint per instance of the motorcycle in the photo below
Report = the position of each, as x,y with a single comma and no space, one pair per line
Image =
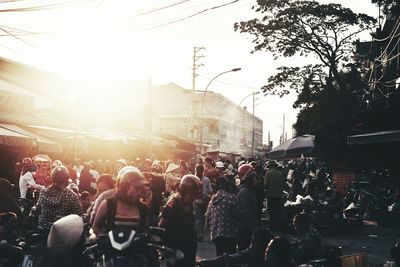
123,246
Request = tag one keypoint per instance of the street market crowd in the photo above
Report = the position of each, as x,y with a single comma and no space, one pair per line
242,207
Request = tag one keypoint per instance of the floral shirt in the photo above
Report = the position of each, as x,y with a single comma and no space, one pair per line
54,204
223,215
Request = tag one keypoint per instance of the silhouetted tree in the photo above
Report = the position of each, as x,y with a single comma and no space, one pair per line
301,28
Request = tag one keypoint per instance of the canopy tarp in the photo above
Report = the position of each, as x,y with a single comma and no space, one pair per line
374,138
44,144
11,138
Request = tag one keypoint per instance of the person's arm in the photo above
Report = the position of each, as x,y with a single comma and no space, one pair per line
96,206
209,189
31,182
100,218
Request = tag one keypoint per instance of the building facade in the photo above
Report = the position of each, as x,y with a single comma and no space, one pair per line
210,120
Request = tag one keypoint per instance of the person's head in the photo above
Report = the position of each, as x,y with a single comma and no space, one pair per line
189,187
104,183
27,164
272,164
183,165
301,223
226,183
209,162
199,170
247,175
219,165
278,252
156,168
57,163
130,184
60,176
243,170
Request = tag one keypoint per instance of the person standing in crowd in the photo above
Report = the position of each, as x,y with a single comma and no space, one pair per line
183,168
86,179
125,208
72,172
157,187
26,179
104,183
274,185
8,202
42,174
179,222
200,203
56,201
222,216
209,170
219,168
248,203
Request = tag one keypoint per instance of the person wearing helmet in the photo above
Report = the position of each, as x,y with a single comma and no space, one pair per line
56,201
248,204
124,208
26,179
179,222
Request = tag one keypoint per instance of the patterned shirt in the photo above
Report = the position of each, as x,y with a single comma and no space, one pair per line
54,204
223,214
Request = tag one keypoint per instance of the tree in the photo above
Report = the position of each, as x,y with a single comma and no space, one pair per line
302,28
386,5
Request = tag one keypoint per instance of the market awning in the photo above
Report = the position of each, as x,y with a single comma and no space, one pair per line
11,138
374,138
44,144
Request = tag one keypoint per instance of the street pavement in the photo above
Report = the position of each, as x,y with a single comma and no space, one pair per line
373,240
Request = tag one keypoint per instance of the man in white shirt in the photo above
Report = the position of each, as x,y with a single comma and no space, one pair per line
200,204
26,179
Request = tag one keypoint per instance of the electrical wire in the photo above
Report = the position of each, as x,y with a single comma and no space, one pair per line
187,17
154,10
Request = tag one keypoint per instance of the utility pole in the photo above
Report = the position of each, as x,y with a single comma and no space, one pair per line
283,128
253,135
196,57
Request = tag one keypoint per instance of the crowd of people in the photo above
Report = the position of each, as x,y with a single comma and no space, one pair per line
226,200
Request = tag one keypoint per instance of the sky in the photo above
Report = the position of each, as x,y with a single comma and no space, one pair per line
141,40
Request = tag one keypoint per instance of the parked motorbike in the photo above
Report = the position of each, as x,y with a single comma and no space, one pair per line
123,246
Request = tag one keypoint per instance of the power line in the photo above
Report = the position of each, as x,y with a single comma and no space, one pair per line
187,17
154,10
46,7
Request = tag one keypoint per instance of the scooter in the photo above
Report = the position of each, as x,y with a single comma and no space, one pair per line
123,246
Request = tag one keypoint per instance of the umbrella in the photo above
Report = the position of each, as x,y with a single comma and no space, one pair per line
294,148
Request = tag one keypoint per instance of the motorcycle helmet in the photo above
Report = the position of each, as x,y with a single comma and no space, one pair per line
60,176
243,169
131,175
190,184
127,176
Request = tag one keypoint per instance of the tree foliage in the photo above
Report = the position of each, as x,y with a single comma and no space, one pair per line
289,27
387,5
307,28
